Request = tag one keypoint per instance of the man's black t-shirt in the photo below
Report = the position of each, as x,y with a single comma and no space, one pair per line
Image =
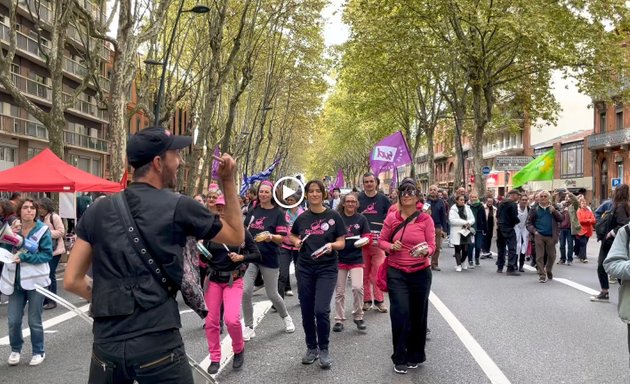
322,228
164,235
374,209
272,220
356,224
221,261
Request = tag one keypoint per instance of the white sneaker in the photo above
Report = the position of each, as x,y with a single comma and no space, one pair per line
458,268
248,333
37,359
288,324
14,358
289,293
464,266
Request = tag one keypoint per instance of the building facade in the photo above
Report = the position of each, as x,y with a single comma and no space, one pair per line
21,135
609,145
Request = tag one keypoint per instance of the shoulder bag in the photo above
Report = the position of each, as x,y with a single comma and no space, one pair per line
381,276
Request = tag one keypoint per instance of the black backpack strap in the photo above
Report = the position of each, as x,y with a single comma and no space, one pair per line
136,241
404,224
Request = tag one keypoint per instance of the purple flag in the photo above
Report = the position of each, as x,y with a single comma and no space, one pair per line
339,181
215,164
389,153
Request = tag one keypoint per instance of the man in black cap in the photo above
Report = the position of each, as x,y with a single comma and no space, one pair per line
136,317
507,218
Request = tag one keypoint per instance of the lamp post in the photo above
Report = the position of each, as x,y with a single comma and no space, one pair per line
198,9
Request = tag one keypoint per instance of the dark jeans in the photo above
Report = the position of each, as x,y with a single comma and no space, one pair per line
53,263
461,253
408,308
603,252
476,247
316,286
581,241
487,241
285,258
566,245
506,238
152,358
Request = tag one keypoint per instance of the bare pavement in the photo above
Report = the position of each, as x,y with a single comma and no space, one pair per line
485,328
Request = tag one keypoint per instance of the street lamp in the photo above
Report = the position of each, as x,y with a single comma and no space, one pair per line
198,9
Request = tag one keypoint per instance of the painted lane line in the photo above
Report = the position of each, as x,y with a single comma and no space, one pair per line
486,363
261,308
49,323
568,282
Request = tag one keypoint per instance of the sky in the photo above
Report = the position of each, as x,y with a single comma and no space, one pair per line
574,115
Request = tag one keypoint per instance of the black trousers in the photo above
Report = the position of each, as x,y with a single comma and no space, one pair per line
148,359
408,310
487,241
285,258
316,285
506,238
602,276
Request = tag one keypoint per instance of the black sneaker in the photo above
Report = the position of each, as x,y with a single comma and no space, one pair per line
338,327
400,369
360,325
412,365
549,276
477,263
602,297
325,361
50,305
310,356
512,272
521,269
499,270
213,368
239,359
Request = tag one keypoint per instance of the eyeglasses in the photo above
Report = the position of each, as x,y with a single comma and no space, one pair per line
351,201
408,192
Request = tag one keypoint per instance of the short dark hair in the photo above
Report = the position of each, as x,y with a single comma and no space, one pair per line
21,203
15,195
368,174
7,207
336,189
321,186
47,204
143,170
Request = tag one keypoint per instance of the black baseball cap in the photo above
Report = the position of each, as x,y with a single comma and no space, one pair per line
150,142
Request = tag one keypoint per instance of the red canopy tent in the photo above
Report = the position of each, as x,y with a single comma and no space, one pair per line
48,173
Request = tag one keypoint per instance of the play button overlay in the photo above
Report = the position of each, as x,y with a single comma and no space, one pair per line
285,187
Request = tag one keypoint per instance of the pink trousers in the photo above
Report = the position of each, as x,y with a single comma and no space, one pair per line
231,298
373,257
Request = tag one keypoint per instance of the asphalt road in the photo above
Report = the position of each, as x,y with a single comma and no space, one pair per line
485,328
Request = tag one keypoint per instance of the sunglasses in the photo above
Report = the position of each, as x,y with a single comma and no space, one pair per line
409,192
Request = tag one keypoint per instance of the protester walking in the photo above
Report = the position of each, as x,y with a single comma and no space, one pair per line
522,235
351,262
439,214
19,279
461,220
136,317
47,214
268,226
480,227
543,223
619,216
374,206
507,219
587,221
318,233
288,253
409,237
490,210
226,269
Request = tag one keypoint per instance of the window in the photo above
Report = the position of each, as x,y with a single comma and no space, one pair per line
15,69
619,119
7,154
572,160
620,170
96,167
602,121
32,152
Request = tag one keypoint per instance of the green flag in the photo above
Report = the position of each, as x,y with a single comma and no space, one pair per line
541,168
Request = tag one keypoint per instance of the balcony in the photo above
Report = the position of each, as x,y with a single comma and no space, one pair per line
44,12
609,139
32,87
85,141
23,127
88,108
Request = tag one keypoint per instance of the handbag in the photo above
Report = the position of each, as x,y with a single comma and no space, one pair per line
190,285
381,275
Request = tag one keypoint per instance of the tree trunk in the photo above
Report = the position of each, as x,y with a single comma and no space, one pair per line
431,155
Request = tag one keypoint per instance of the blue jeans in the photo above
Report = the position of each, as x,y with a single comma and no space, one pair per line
17,302
476,247
566,245
53,263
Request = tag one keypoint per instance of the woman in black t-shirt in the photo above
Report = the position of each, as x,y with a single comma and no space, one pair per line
318,233
268,226
351,260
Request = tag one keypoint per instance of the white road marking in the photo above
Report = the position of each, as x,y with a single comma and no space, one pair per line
491,370
51,331
260,310
49,323
568,282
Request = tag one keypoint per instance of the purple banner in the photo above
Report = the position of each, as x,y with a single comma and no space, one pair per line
389,153
339,181
394,184
215,164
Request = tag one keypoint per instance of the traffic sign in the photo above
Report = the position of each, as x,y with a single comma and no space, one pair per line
485,170
615,182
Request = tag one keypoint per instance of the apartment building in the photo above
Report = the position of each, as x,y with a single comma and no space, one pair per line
21,135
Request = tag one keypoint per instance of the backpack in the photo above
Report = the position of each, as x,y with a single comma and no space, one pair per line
605,224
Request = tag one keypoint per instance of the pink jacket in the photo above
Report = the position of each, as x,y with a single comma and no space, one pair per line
57,231
420,230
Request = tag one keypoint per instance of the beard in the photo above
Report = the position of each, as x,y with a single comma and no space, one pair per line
169,178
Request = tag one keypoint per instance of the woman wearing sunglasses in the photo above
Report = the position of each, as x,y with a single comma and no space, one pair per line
409,237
